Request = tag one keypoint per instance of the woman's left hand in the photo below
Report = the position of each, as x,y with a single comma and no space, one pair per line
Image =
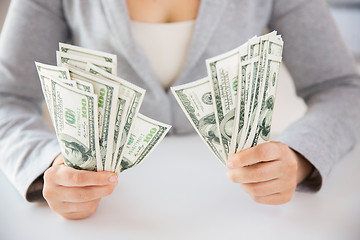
269,172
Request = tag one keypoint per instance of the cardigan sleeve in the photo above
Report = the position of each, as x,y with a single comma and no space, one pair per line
32,31
325,76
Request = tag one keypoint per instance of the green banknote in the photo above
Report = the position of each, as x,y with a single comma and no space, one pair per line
262,88
95,113
143,139
129,101
271,76
104,60
80,62
242,105
75,121
223,71
55,71
196,100
46,88
242,85
107,92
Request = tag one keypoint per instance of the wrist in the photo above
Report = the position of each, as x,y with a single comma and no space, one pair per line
304,168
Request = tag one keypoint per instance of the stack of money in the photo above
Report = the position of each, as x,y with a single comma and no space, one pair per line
231,109
95,113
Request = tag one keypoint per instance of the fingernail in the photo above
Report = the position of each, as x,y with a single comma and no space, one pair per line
113,179
230,164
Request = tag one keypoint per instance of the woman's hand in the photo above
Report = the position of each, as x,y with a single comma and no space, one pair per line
75,194
269,172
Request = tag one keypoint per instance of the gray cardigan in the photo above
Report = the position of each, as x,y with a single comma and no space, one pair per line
324,73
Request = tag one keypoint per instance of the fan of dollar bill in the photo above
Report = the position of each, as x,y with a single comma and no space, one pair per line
231,109
95,113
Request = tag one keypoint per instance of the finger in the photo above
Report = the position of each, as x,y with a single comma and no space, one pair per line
59,160
259,172
261,153
267,188
275,199
77,215
83,194
70,177
71,207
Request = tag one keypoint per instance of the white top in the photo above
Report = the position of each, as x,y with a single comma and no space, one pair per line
165,45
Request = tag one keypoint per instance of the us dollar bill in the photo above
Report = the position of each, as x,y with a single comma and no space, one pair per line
92,55
59,73
80,62
224,75
46,88
197,102
262,132
75,122
143,140
63,74
251,67
130,98
257,52
95,113
107,92
240,118
261,88
243,85
272,68
55,71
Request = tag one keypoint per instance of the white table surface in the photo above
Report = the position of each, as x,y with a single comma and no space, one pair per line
181,192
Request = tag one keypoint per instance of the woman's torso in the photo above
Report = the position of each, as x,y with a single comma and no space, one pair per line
105,25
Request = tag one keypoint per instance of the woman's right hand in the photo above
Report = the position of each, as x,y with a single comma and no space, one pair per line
75,194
